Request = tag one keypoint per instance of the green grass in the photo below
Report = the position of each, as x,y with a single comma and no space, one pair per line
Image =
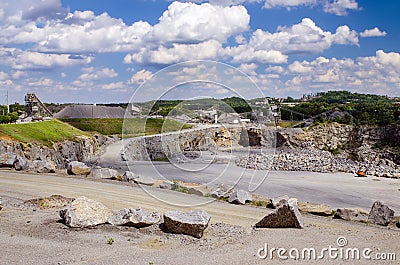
131,128
41,132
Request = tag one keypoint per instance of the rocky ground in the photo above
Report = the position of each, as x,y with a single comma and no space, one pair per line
31,230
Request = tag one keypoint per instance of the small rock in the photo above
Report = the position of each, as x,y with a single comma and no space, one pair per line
166,184
191,223
380,214
285,216
240,197
276,202
78,168
84,212
105,173
128,176
134,217
144,180
316,209
199,191
222,192
352,214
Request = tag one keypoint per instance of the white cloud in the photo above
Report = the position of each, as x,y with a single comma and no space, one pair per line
26,60
249,69
375,32
3,76
288,3
90,74
140,77
380,72
304,37
114,86
340,7
193,23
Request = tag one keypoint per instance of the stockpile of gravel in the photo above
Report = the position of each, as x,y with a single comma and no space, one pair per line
314,160
90,111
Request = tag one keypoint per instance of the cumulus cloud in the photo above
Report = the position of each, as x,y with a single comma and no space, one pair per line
375,32
90,74
340,7
249,69
304,37
288,3
380,72
27,60
140,77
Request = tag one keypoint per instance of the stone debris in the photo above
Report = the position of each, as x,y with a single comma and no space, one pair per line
144,180
285,216
105,173
84,212
78,168
167,185
352,214
199,191
222,192
134,217
240,197
315,209
380,214
192,223
128,176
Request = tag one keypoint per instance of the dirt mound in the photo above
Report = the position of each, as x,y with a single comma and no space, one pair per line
90,111
54,201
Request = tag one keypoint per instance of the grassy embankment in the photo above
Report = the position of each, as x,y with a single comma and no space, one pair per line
40,132
132,127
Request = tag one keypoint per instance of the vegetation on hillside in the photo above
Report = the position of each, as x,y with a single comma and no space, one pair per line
41,132
132,127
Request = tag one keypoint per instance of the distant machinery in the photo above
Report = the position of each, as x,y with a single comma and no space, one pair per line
34,108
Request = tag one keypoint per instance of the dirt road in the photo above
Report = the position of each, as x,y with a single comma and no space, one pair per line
34,236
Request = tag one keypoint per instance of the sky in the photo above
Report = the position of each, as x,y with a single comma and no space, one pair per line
102,51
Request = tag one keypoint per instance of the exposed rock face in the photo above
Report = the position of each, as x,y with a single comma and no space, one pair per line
240,197
84,212
285,216
352,214
223,138
191,223
78,168
59,154
380,214
134,217
316,209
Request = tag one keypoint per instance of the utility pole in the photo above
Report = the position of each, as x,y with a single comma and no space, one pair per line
8,104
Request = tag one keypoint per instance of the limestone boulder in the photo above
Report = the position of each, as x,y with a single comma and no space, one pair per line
285,216
84,212
240,197
21,163
380,214
352,214
276,202
78,168
40,166
191,223
134,217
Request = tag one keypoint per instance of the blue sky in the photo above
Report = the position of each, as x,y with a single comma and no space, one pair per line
99,51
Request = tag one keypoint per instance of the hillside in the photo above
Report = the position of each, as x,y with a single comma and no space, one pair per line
40,132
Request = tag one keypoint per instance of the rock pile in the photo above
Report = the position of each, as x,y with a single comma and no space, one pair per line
314,160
